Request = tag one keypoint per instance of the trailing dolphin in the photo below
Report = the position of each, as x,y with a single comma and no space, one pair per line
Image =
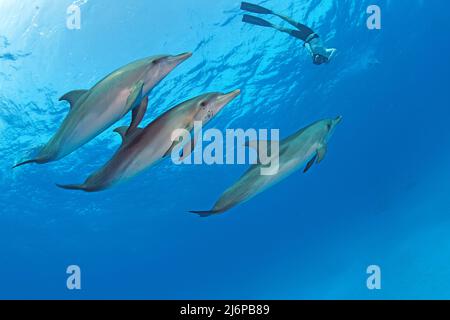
142,148
95,110
304,148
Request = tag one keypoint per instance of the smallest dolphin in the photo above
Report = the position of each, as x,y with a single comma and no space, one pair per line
304,148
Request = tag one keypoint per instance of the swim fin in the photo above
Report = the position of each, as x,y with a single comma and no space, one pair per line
256,21
255,8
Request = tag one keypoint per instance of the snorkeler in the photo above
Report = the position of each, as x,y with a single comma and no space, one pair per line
319,53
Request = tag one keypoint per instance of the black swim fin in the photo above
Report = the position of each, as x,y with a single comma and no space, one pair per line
250,7
256,21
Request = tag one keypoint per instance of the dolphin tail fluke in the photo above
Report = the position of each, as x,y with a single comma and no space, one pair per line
79,187
25,163
32,156
205,214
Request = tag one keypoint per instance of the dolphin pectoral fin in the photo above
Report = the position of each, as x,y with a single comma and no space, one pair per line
310,164
138,115
135,95
185,145
172,147
187,151
169,152
72,97
321,153
189,148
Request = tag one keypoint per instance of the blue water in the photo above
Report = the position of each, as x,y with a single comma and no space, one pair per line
381,197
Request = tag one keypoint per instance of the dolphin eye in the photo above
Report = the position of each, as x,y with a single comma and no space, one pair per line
203,104
329,126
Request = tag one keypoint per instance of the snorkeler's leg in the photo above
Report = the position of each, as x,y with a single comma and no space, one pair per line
295,33
304,32
263,23
250,7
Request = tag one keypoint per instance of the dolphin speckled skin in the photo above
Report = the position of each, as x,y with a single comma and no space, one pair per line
306,147
95,110
144,147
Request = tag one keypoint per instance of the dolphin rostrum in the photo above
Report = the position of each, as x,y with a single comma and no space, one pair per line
306,147
95,110
142,148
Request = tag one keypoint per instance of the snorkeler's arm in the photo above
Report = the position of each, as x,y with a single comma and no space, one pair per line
331,53
308,46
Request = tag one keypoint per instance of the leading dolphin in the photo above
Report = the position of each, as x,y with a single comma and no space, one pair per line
93,111
305,147
142,148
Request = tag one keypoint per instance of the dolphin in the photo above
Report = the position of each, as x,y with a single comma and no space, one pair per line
95,110
306,147
143,148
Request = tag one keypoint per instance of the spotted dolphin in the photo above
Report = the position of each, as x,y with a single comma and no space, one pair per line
95,110
306,147
143,148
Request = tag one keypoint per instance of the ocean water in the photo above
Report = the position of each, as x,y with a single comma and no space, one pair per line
381,197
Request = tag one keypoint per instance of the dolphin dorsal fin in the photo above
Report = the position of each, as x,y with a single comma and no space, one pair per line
72,97
126,137
122,131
